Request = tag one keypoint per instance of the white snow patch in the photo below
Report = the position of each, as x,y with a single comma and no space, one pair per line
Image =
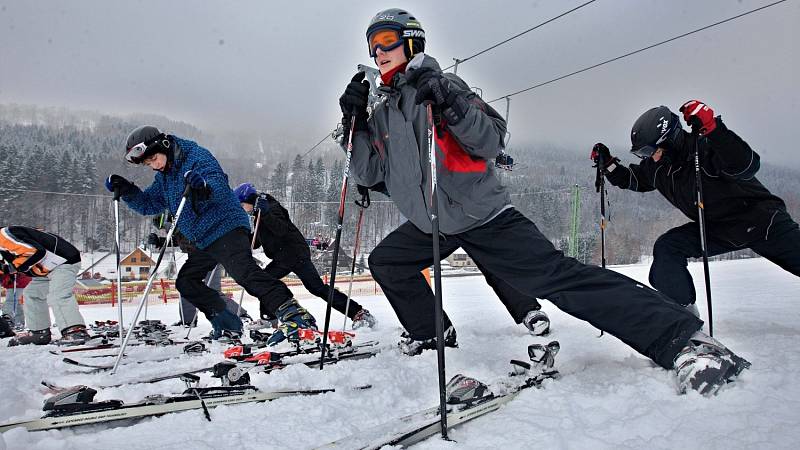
608,397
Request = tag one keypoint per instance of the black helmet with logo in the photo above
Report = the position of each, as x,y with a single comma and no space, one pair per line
657,127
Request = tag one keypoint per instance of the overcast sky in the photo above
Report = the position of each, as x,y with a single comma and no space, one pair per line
278,67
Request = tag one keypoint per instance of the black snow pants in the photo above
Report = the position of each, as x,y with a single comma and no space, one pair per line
669,274
511,248
232,251
305,270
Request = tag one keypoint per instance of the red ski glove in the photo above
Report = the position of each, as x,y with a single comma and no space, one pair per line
699,116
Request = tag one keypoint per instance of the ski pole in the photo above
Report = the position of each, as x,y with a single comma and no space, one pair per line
150,279
600,185
437,273
252,246
119,268
337,244
14,297
701,216
363,204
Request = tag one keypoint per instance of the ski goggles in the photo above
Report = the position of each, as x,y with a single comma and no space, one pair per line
139,152
647,151
135,154
386,39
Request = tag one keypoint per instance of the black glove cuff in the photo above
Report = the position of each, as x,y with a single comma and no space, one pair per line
128,189
455,108
609,163
360,125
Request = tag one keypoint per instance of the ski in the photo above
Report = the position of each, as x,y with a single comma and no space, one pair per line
106,367
76,406
236,370
413,428
241,353
109,345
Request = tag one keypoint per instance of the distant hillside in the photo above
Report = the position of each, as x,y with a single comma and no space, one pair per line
47,153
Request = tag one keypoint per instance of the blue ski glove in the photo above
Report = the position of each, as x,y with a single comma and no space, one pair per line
194,179
200,189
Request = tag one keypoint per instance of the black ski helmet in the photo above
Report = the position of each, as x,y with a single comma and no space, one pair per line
153,140
657,127
405,23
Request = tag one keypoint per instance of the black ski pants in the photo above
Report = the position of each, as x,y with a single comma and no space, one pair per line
232,251
305,270
511,248
669,274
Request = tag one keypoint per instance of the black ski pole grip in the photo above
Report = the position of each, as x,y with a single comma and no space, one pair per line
116,193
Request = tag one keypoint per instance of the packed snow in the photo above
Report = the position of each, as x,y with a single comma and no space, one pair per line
608,396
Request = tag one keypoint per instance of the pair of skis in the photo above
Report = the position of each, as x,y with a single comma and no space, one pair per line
76,406
413,428
233,372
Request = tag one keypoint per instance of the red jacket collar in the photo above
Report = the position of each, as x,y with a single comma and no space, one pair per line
387,77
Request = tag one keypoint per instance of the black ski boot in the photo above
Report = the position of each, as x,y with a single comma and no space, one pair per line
6,324
705,365
38,337
413,347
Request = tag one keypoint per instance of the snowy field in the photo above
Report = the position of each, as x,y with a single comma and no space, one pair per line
608,397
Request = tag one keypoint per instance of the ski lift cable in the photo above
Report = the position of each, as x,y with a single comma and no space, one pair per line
460,61
636,51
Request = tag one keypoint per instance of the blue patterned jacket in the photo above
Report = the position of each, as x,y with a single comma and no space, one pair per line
204,221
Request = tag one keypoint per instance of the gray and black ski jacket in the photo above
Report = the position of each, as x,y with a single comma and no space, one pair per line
394,151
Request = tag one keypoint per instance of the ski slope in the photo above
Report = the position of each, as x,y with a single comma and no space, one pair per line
608,397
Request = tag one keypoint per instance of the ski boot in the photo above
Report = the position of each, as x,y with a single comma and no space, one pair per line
705,365
363,319
38,337
263,323
225,321
293,317
413,347
537,323
74,335
6,324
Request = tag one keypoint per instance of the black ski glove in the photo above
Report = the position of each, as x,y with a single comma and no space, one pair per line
355,98
154,239
601,156
119,183
433,87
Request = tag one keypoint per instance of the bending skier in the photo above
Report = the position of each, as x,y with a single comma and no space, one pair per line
287,248
390,146
739,211
53,263
213,221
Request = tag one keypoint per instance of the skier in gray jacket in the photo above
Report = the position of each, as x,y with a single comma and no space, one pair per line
475,213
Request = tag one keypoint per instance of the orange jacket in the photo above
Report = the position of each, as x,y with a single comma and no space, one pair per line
26,248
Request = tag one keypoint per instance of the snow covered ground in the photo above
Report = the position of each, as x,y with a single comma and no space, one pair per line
609,396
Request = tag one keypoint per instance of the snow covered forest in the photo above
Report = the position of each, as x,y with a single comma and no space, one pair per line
53,162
